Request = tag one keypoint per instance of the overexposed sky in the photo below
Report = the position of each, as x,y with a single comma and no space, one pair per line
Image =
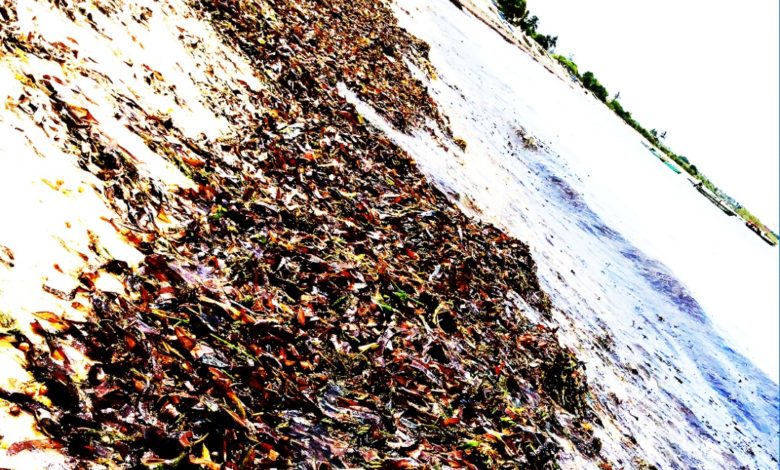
705,71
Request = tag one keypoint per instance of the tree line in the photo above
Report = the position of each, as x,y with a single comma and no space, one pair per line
516,13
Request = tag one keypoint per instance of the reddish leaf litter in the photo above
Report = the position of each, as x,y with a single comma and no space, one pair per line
322,305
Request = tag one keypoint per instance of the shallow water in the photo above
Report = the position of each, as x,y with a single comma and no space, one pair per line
671,304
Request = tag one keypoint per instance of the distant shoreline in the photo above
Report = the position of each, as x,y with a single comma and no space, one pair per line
513,35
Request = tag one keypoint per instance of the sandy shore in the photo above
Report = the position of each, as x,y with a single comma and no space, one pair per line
488,14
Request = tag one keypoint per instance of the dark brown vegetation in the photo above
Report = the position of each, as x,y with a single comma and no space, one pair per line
322,302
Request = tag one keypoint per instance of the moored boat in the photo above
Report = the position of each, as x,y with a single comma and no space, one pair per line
761,233
714,199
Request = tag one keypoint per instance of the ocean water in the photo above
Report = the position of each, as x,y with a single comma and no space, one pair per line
671,304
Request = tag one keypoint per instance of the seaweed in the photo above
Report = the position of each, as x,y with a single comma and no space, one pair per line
321,302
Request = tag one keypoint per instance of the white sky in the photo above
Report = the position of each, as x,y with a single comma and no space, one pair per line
705,71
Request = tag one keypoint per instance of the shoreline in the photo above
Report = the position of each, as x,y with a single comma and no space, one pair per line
519,181
518,38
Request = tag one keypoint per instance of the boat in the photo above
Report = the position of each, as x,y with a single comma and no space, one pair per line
673,167
652,150
657,154
714,199
752,226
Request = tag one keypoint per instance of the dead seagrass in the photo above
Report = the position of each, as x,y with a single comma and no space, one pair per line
321,302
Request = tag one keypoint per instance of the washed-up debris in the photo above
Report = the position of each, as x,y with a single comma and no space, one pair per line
311,298
528,140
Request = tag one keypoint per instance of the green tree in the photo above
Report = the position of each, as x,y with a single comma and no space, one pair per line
529,24
514,10
547,42
590,82
620,111
569,64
